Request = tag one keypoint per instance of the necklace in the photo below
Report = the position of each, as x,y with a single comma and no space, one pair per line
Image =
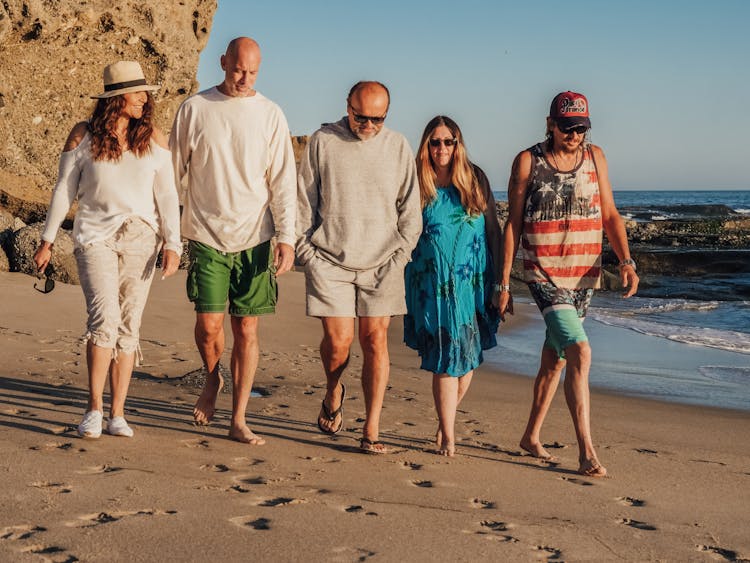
575,162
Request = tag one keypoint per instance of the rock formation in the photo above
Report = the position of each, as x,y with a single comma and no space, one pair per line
52,53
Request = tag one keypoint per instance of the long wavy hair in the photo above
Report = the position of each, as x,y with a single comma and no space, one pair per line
462,170
104,143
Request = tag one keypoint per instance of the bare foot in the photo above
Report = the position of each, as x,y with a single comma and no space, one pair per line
592,468
536,450
205,406
448,450
438,437
246,436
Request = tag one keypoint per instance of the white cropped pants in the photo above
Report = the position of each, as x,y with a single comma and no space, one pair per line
116,276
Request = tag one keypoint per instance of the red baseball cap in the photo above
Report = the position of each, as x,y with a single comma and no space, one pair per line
570,109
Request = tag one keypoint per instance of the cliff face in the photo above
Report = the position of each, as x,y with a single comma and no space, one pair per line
52,53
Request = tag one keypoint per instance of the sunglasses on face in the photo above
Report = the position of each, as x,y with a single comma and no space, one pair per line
447,142
581,130
362,119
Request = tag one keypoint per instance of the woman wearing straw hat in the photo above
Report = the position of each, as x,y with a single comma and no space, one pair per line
118,166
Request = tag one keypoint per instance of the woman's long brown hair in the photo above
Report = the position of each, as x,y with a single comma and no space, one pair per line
104,143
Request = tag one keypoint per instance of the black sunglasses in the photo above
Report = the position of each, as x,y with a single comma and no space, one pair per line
446,142
359,118
580,129
49,285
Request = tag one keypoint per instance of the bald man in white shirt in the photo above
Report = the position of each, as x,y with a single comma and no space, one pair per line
235,168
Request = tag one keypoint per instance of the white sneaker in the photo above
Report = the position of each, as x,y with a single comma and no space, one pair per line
116,426
91,425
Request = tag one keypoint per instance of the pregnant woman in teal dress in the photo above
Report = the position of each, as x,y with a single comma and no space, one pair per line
451,282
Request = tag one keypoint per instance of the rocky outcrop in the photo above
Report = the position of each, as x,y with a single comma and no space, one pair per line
52,53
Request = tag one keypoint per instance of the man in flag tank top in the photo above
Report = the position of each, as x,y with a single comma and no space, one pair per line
560,200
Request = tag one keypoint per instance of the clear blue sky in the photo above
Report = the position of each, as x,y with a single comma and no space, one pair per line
667,81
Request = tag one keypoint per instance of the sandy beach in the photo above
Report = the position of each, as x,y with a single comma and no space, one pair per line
679,488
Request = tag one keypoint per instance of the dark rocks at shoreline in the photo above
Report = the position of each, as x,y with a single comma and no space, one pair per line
684,212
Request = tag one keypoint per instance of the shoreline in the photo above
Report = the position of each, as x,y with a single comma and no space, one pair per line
678,478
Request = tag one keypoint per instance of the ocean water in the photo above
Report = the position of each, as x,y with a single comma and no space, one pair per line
665,204
682,339
651,361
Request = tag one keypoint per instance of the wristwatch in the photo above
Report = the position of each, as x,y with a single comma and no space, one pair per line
627,262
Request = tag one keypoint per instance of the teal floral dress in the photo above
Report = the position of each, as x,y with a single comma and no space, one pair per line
450,319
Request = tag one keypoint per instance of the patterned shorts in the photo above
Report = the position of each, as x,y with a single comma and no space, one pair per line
563,311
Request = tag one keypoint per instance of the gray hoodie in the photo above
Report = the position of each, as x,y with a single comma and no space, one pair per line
358,201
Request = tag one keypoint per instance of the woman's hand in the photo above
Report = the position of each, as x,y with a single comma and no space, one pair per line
170,261
505,304
42,256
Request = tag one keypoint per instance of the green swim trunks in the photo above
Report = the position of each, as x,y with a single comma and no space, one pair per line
563,311
246,278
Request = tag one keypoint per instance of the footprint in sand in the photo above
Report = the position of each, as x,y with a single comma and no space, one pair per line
321,459
220,468
554,553
260,480
351,554
495,525
98,469
727,554
483,504
101,518
53,445
637,524
358,509
423,484
238,489
257,524
282,501
492,531
23,532
411,466
577,481
196,443
630,501
58,488
50,553
646,451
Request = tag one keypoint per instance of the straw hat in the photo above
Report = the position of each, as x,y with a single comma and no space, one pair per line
123,77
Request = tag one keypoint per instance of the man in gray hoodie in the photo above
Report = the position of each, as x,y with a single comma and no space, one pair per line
358,219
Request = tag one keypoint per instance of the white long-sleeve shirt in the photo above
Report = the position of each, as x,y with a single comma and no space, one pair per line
235,169
109,192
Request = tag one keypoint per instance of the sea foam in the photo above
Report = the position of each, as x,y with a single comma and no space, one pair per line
731,341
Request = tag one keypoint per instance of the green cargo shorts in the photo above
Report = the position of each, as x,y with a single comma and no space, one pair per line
246,278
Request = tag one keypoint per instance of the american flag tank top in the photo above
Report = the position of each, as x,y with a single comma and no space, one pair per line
562,224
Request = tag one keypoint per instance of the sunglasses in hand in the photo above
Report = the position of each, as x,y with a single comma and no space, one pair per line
49,283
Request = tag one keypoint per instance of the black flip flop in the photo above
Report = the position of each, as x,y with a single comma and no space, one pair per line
331,416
